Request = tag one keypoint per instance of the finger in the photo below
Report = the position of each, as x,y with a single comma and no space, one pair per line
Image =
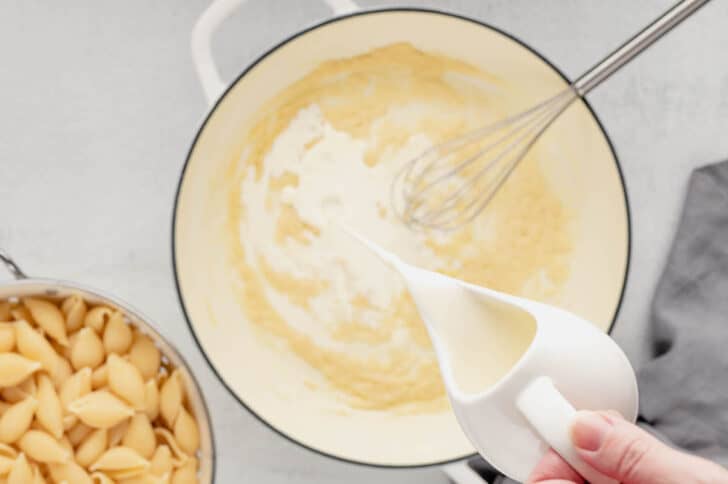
623,451
556,481
554,470
613,413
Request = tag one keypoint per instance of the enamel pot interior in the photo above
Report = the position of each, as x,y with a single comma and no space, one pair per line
584,173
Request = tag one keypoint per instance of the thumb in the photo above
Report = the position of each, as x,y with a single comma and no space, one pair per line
623,451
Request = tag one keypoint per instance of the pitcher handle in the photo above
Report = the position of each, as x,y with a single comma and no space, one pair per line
219,10
551,415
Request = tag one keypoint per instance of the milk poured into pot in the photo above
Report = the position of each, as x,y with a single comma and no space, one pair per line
478,338
482,338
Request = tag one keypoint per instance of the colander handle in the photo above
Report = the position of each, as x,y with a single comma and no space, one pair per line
219,10
12,267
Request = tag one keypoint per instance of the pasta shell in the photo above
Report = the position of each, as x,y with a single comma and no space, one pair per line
41,447
50,412
21,313
65,351
38,476
63,373
186,432
69,421
74,309
66,444
187,474
15,368
33,345
7,337
100,409
77,385
13,395
6,464
146,478
21,472
145,355
162,462
28,386
140,436
117,335
87,350
151,400
70,472
16,420
49,317
170,398
78,433
92,447
117,433
120,463
179,455
126,381
34,425
100,377
8,451
5,308
101,478
97,318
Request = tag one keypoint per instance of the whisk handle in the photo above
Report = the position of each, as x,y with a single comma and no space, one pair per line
629,50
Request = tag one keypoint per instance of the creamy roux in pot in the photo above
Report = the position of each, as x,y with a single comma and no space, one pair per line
327,148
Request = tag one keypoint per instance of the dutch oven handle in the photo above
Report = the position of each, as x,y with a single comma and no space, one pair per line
207,24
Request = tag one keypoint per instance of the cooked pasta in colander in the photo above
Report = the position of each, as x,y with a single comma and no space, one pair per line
85,397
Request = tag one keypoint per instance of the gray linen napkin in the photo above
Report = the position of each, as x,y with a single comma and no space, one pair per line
684,388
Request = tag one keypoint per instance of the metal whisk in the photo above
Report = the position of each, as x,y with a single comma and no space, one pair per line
450,184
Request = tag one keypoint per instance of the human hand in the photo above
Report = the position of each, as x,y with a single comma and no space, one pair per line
624,452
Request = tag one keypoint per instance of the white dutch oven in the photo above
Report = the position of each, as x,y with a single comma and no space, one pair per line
586,177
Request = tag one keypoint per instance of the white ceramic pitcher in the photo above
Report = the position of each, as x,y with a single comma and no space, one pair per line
568,365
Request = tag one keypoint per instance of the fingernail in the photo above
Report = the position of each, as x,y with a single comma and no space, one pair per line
589,430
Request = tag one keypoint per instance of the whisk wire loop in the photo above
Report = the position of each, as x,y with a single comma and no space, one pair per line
435,191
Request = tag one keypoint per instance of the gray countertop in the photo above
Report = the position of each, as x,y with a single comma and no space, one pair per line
99,103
